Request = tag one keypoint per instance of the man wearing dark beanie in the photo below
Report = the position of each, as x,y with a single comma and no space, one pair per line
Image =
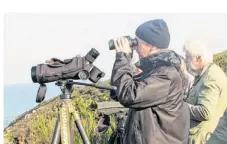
157,113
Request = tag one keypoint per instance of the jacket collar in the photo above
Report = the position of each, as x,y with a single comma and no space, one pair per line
164,57
204,71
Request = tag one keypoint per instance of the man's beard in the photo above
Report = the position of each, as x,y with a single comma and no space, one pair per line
194,72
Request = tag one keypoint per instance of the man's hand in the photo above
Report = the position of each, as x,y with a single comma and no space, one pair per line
122,45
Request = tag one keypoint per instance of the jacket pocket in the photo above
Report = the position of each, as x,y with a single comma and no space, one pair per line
195,129
199,135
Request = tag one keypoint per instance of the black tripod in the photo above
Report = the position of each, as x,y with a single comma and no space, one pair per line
62,131
118,134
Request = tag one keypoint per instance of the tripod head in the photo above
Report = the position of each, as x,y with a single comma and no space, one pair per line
66,87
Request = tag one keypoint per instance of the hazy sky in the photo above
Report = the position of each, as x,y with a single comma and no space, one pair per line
31,39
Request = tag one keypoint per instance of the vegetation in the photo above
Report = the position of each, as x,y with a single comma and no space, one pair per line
221,60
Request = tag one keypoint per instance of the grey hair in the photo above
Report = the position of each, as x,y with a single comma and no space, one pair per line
199,48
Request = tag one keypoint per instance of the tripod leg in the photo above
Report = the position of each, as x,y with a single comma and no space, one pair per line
81,129
56,135
65,124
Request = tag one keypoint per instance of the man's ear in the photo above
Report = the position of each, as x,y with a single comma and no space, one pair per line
152,48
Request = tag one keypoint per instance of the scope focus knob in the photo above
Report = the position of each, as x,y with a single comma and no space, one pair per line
83,75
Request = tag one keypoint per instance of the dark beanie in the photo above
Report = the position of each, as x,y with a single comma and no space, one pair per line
154,32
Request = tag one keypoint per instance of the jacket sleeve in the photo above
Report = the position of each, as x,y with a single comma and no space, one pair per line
207,101
137,94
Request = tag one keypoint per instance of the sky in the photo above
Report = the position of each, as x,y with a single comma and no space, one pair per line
31,39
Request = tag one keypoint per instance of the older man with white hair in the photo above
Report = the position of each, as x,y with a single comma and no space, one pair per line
207,100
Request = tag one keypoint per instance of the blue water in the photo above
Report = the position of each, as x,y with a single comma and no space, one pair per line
19,98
